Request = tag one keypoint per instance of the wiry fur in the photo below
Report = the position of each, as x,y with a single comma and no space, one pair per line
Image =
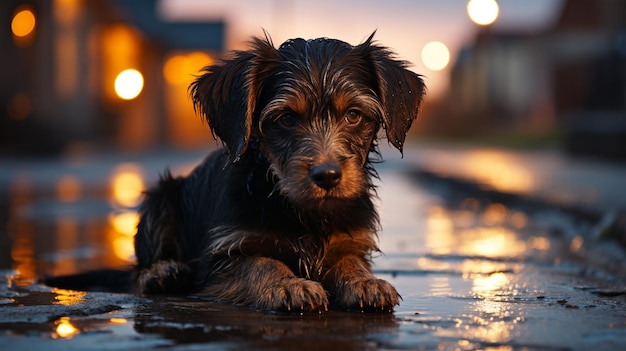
282,218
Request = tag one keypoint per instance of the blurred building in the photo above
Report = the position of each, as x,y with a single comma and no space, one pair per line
568,78
61,81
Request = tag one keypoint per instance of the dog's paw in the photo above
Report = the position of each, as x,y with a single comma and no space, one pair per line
369,294
294,295
164,277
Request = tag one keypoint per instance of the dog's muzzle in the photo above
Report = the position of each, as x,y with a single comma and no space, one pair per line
326,176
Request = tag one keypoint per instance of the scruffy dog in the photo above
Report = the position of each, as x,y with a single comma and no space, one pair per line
282,217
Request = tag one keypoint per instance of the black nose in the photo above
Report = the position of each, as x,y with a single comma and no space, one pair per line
326,176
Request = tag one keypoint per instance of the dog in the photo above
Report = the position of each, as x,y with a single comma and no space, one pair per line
282,218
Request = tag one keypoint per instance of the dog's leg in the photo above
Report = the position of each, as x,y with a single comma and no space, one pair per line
266,284
157,244
349,279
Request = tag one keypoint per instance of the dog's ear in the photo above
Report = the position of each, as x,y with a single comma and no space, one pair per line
226,95
400,91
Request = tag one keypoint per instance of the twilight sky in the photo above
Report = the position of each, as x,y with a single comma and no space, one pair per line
404,25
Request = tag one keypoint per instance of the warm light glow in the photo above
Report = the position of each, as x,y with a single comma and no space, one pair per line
492,242
483,12
576,244
435,56
68,297
440,228
127,185
124,248
519,219
128,84
118,320
484,286
125,223
65,329
498,170
494,214
181,69
68,189
539,243
23,23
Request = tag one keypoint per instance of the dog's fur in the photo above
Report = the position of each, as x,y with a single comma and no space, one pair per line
282,217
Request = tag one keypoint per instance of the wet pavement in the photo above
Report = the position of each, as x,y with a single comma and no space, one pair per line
490,250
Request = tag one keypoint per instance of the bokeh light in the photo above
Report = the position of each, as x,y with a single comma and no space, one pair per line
435,56
128,84
127,185
483,12
23,23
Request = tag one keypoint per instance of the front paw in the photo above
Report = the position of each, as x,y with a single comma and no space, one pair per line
294,295
367,294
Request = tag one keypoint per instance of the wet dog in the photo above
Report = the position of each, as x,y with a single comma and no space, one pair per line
281,218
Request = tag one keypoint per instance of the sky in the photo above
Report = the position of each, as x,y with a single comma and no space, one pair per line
405,26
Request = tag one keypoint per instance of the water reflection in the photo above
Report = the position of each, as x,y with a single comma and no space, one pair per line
68,189
127,185
64,329
482,241
479,233
498,170
86,226
21,232
68,297
124,226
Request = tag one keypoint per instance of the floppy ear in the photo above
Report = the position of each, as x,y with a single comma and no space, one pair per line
399,89
226,95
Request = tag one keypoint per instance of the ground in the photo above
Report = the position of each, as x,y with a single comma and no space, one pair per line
490,249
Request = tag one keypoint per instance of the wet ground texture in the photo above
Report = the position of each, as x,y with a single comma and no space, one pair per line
490,250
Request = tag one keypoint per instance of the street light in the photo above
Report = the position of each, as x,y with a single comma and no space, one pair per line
483,12
23,25
435,56
128,84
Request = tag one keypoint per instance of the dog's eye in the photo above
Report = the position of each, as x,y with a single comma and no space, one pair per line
288,120
353,117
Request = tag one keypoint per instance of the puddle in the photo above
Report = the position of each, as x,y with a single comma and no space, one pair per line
472,274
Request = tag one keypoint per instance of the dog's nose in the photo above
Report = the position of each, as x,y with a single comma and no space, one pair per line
326,176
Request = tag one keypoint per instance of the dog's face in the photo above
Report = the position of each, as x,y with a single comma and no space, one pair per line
313,109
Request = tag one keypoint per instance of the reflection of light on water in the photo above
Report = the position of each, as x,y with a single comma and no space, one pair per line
127,185
118,320
125,222
68,189
493,318
539,243
458,232
519,219
494,214
68,297
440,286
124,248
484,286
498,171
471,267
22,233
23,255
440,231
491,242
64,329
493,332
124,226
